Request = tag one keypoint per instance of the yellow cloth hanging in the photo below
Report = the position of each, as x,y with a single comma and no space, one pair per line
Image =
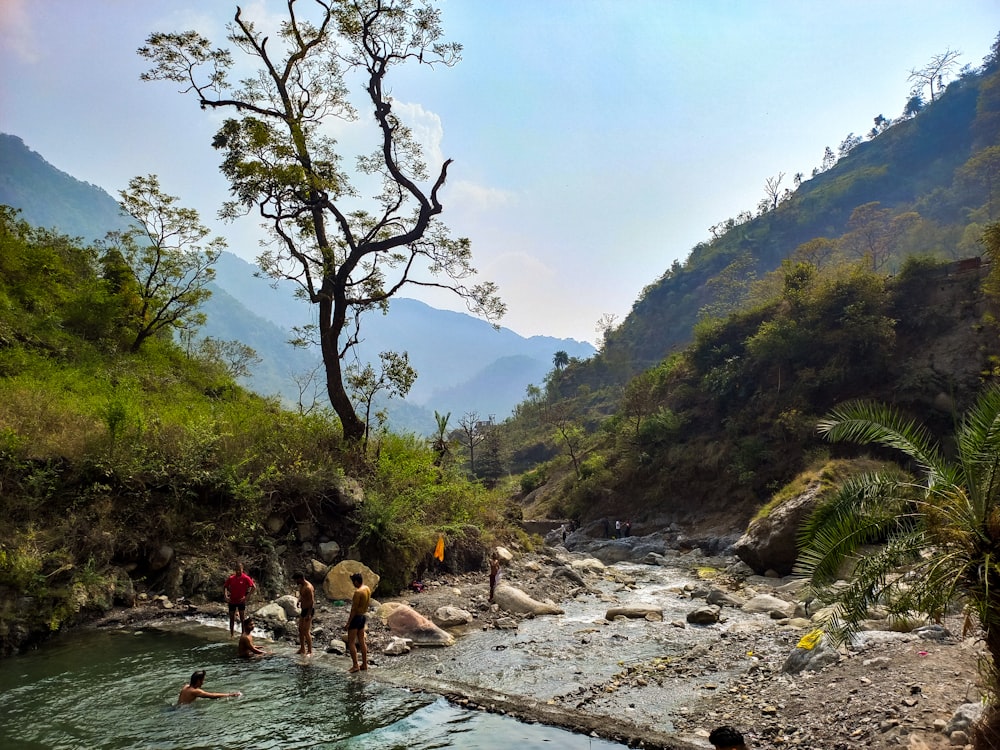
439,549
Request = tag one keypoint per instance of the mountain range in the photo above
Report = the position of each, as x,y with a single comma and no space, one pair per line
464,364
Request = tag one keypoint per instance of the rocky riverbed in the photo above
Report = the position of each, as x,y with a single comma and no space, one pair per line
656,649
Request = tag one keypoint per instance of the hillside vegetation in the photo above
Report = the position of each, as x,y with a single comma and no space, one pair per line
113,464
863,282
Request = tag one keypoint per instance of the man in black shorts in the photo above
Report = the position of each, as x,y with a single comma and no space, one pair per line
235,591
356,622
307,609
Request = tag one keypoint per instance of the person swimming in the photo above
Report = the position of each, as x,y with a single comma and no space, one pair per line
192,691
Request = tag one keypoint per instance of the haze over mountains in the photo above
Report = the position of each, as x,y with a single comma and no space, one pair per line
464,365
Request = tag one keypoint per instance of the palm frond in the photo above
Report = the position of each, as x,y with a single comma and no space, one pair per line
867,422
865,509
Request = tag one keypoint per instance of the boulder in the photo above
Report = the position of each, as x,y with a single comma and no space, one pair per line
271,615
397,646
289,603
770,543
706,615
329,551
516,601
767,604
451,617
635,612
505,555
406,622
337,584
723,598
812,657
565,572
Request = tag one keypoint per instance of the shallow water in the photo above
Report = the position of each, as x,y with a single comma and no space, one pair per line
117,689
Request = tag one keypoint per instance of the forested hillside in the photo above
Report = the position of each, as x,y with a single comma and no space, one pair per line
865,282
922,185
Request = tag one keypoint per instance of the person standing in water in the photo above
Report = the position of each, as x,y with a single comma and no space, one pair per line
356,622
192,691
235,591
307,609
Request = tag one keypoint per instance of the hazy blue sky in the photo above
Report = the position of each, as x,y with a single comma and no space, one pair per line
595,141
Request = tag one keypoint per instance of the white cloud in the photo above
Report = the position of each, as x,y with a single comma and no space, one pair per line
16,31
427,130
467,196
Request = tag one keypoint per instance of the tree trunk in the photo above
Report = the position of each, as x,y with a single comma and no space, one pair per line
353,427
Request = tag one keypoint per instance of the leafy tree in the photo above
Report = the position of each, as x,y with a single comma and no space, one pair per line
395,377
281,161
874,233
932,76
560,359
163,252
440,443
984,168
944,526
236,358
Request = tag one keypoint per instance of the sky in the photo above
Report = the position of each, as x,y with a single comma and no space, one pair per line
594,141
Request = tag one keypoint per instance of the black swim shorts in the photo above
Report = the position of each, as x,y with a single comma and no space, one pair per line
357,622
308,612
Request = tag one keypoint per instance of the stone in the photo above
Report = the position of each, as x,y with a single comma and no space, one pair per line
329,551
407,623
338,586
767,604
505,555
771,542
707,615
517,602
161,557
288,603
723,598
451,617
811,659
964,717
634,612
272,613
397,646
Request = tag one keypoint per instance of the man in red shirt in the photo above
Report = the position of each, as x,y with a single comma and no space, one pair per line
235,591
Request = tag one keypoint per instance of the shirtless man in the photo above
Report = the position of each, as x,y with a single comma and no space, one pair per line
193,690
307,608
246,648
356,622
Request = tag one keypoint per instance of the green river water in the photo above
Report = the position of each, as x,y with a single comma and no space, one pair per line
117,689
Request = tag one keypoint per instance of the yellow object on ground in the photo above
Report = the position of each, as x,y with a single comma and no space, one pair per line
809,640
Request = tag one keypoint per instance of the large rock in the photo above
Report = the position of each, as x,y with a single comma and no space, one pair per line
406,622
329,551
516,601
338,586
635,612
770,543
812,657
451,617
769,605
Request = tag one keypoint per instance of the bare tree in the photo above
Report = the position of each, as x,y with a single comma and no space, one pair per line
932,76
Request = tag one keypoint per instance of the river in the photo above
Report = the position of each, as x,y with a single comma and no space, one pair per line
117,689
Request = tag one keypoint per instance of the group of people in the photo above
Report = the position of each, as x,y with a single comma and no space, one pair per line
622,529
236,590
238,587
